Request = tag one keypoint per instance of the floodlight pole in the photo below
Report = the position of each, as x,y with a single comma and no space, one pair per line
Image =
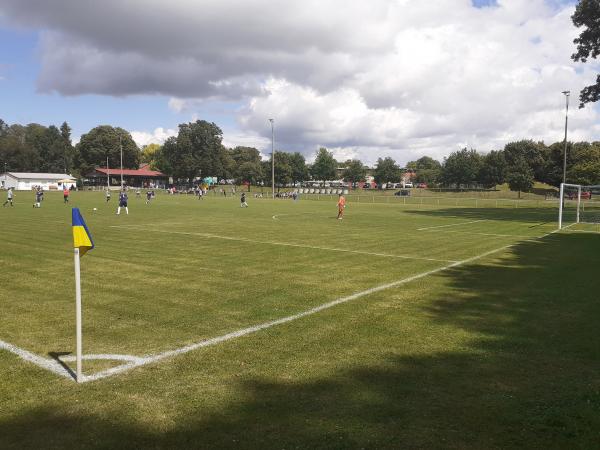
566,94
272,157
121,147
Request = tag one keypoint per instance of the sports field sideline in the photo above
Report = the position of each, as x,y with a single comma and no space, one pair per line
405,311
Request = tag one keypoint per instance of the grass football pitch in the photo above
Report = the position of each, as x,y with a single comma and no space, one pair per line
207,325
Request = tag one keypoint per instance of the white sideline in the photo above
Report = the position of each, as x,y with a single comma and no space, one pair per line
285,244
134,361
451,225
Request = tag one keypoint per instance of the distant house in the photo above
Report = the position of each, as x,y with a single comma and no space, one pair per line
142,177
26,181
409,176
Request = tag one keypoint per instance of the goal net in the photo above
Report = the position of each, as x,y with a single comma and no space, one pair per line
579,204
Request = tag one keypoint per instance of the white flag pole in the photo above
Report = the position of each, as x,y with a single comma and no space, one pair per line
79,375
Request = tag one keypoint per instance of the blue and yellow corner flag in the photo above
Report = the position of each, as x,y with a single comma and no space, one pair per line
82,239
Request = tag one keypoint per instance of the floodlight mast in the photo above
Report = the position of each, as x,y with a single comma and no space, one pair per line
566,94
121,148
272,157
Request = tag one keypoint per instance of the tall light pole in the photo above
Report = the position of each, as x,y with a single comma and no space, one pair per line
566,94
272,157
121,148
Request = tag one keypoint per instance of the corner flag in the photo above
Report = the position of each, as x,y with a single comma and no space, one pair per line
82,242
82,239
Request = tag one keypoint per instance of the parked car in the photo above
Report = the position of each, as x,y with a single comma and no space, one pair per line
585,195
408,185
422,185
402,193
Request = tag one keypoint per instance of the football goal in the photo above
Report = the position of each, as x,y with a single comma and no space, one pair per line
578,204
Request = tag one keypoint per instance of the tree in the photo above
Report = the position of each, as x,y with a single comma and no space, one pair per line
52,150
161,162
520,177
298,165
250,172
149,153
533,153
102,142
283,169
69,150
323,168
387,171
493,169
196,152
461,168
427,170
15,152
585,163
247,164
354,172
587,15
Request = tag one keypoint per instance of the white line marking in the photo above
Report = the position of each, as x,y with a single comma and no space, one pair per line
285,244
583,231
104,357
480,234
452,225
245,331
134,361
45,363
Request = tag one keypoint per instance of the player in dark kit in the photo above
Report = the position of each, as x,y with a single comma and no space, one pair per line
243,203
39,196
122,202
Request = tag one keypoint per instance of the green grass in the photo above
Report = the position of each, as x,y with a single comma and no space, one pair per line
500,352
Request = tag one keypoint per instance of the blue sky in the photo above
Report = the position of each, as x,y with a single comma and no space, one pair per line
321,83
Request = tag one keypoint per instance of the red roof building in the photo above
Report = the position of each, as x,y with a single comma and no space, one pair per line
142,177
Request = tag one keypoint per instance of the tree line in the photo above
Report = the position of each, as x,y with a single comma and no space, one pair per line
198,151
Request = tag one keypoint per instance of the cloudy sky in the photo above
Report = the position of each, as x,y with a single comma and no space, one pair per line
400,78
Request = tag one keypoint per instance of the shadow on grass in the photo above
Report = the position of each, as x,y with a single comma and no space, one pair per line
528,376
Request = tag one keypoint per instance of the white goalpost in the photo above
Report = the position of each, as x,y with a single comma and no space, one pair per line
577,204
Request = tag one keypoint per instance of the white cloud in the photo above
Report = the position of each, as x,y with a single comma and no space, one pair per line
158,136
396,78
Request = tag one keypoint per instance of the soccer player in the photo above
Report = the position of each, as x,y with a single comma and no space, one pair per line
123,202
243,203
341,205
9,197
39,195
66,193
148,196
107,195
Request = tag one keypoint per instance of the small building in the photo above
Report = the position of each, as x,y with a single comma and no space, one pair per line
142,177
26,181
